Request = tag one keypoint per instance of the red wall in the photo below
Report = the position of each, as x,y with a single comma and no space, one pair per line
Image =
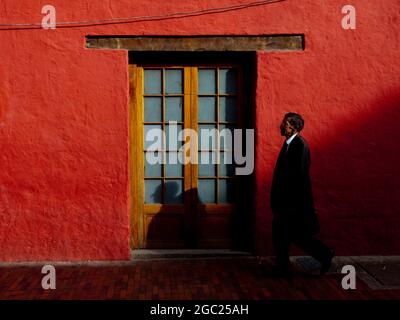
64,178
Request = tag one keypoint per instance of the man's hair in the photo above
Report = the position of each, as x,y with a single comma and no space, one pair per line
295,120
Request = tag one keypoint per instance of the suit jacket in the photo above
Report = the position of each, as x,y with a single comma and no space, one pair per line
291,192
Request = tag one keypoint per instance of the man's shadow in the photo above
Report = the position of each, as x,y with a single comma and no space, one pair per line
188,229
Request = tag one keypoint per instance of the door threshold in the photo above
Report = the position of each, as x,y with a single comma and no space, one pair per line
187,253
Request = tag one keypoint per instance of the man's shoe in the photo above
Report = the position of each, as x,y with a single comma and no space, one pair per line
326,264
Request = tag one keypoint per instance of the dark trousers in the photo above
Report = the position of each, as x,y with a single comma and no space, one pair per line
285,233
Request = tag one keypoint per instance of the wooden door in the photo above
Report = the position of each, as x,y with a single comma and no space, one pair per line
190,204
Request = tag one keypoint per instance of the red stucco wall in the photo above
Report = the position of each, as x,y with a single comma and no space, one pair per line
64,178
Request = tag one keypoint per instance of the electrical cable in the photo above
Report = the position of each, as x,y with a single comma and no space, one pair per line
70,24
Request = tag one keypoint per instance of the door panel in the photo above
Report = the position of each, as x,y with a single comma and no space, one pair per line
215,107
166,182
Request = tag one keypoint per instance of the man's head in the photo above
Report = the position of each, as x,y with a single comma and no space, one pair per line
291,124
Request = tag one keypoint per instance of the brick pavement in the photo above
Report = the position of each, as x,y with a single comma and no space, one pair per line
236,278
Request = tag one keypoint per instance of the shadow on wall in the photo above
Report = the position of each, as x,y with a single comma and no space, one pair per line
356,178
187,229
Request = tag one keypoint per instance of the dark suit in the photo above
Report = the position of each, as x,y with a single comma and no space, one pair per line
295,219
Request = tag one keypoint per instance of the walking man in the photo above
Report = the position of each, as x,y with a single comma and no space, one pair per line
294,216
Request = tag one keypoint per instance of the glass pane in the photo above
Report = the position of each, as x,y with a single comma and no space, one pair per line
172,136
152,81
207,81
206,109
227,109
226,190
227,81
173,191
226,137
207,164
208,136
226,166
152,191
152,109
153,137
173,81
152,168
174,166
173,109
206,190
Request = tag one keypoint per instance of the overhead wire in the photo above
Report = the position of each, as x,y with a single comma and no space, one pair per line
87,23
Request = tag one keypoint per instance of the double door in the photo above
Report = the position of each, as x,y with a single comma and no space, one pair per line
184,188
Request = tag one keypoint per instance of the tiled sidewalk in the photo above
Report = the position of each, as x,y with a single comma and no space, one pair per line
211,278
